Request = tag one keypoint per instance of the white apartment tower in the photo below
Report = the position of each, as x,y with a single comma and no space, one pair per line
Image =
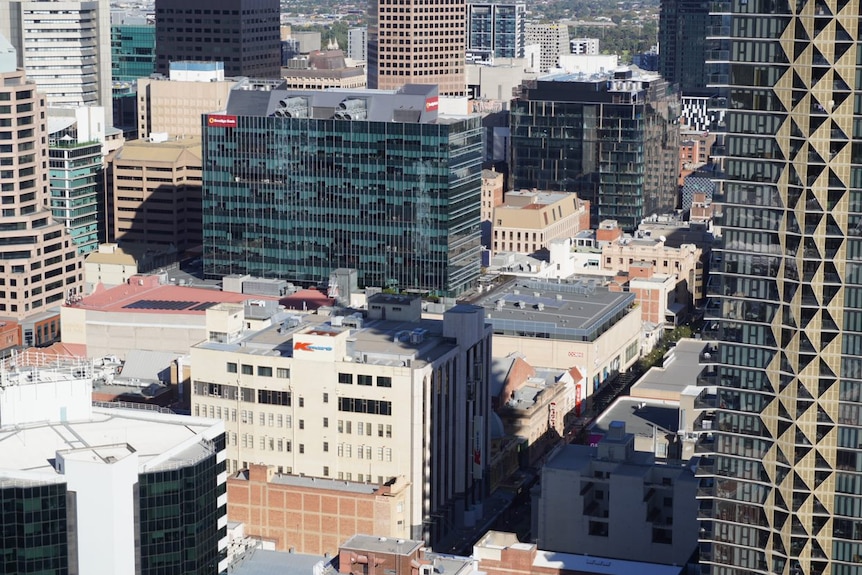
65,48
357,398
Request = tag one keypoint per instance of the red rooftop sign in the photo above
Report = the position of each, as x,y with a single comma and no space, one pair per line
221,121
431,104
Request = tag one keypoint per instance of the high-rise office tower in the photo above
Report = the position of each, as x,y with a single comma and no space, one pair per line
553,40
357,44
496,30
298,183
782,474
420,43
612,138
244,34
65,48
682,44
133,47
38,264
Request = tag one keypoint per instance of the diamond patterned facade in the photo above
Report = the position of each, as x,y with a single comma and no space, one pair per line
781,408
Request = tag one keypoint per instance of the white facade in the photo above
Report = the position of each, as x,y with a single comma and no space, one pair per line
357,44
65,48
95,459
358,400
584,45
554,41
588,64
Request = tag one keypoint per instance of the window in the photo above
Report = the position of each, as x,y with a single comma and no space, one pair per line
360,428
598,528
282,373
325,397
264,371
325,446
370,406
364,379
287,445
383,381
325,422
247,369
302,448
379,430
301,402
262,419
340,426
269,397
388,430
345,378
302,424
325,471
231,367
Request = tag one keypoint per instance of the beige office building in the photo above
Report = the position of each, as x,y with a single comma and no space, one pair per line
39,266
421,43
174,105
365,399
155,193
553,40
529,220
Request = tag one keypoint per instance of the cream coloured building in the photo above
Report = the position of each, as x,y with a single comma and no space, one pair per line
565,325
109,266
529,220
174,105
357,398
155,193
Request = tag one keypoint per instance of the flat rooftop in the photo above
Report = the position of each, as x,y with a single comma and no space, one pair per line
680,369
413,103
145,295
31,449
377,342
265,562
641,416
376,544
571,562
572,311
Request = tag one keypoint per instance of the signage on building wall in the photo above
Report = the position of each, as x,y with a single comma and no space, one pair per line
432,104
576,354
308,346
578,400
552,414
221,121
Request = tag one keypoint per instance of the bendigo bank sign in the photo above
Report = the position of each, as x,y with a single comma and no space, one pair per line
221,121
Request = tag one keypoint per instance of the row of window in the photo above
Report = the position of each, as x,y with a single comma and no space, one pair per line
262,370
281,445
367,380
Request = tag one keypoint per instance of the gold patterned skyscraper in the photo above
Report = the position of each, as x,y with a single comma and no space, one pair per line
781,419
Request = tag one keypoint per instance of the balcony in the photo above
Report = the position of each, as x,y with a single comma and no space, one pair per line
704,422
706,444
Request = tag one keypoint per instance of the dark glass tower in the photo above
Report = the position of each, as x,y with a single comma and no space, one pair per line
683,26
613,139
299,183
244,34
782,470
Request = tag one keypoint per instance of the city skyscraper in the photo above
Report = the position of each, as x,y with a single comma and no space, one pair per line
65,48
496,30
39,267
612,138
244,34
682,44
298,183
421,43
782,465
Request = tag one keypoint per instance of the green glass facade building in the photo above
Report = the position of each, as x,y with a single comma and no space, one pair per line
76,178
297,184
781,405
133,51
612,138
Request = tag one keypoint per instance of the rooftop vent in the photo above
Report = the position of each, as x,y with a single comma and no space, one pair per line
351,109
296,107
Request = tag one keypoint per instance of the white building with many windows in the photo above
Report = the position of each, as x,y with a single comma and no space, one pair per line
357,398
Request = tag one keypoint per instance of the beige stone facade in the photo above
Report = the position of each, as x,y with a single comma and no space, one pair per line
39,267
156,193
529,220
422,44
175,107
492,193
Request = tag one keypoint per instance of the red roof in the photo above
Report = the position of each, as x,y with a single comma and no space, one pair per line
307,299
127,297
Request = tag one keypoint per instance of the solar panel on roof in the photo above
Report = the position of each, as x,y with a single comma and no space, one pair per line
157,304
